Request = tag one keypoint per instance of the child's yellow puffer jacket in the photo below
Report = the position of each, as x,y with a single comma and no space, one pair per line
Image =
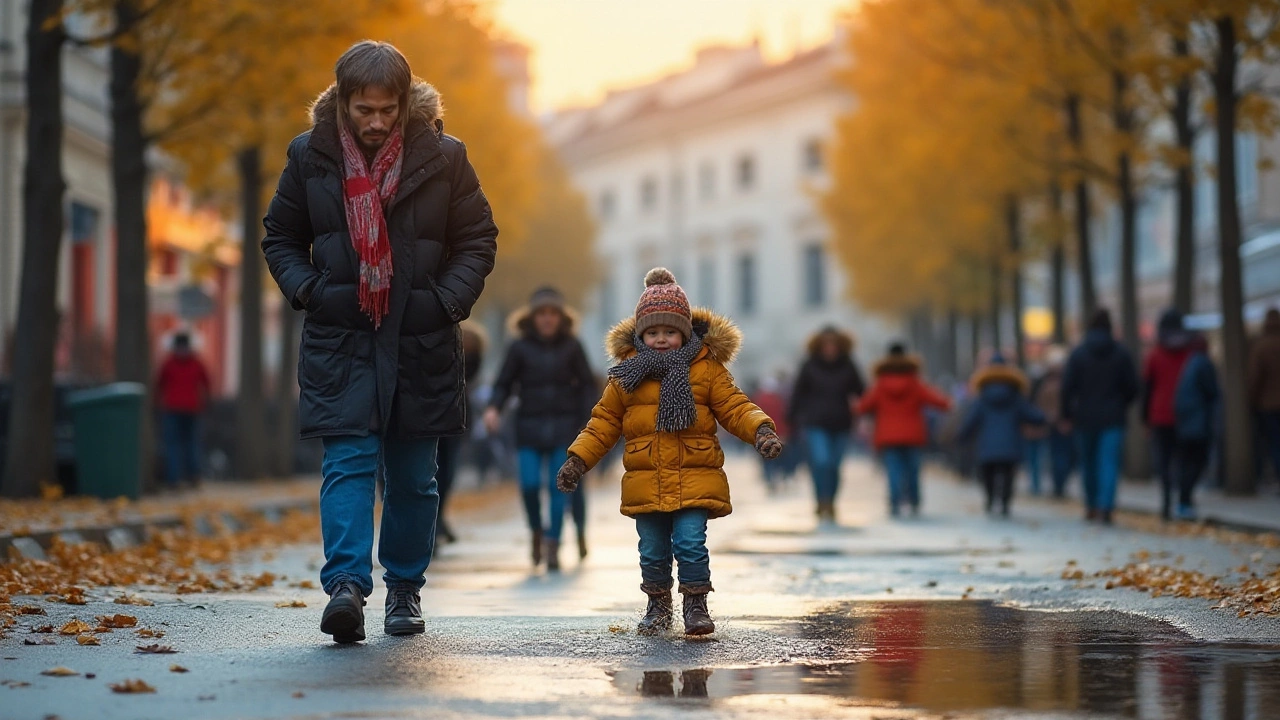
666,472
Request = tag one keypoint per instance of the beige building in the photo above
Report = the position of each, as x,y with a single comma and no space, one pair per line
713,172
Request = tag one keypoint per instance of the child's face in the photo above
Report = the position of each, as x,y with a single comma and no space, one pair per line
662,338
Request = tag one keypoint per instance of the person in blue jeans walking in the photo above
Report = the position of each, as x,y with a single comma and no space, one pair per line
547,370
1098,386
665,396
898,399
380,371
1046,394
827,387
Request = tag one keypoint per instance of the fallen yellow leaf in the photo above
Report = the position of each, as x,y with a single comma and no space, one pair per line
178,669
59,672
75,627
117,621
291,604
88,640
131,686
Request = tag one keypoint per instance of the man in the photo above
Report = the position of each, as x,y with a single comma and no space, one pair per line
182,388
380,231
1099,384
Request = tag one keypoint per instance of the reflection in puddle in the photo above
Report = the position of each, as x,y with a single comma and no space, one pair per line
969,657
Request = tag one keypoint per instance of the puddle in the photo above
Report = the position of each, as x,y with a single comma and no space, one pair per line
974,659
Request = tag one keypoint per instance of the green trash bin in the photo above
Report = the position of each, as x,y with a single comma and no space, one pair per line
108,427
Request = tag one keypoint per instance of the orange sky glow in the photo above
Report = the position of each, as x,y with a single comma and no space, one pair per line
582,48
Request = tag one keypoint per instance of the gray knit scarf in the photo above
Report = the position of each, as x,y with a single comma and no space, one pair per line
676,409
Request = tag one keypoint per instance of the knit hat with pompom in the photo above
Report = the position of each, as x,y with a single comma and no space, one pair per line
663,302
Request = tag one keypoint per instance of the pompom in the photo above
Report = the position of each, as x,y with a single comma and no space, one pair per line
659,276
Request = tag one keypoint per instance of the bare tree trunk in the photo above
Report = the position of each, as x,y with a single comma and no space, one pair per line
129,184
1185,250
1123,119
286,400
975,341
1084,245
1058,269
951,346
1013,218
30,460
250,408
1241,477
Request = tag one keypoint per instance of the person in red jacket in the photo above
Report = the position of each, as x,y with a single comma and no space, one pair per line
182,389
898,400
1160,374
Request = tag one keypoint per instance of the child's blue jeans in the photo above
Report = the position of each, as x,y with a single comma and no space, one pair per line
681,535
902,465
537,470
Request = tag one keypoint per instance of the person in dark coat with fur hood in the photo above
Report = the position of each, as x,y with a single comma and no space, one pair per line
453,447
827,388
380,232
995,423
547,370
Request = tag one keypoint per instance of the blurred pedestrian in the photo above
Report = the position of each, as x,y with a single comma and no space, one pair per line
898,399
996,423
453,447
827,387
1197,407
546,369
1264,385
1046,394
769,398
1160,374
664,397
1099,384
182,388
380,365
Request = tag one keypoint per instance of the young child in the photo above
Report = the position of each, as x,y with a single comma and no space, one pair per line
897,400
995,422
664,396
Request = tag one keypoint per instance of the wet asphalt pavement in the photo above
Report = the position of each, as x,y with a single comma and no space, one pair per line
948,615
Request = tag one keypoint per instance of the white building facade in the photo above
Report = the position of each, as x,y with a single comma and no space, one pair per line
715,174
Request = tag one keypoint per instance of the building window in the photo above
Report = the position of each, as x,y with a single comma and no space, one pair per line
746,172
707,181
649,194
815,276
812,157
608,204
747,283
707,282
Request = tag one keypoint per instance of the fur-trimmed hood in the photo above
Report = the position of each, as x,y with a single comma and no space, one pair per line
721,339
844,339
424,105
520,322
898,365
1000,373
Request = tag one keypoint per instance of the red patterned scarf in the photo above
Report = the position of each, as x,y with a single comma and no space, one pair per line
368,191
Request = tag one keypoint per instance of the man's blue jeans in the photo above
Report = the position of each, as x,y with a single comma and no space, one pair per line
681,534
826,453
902,465
181,446
410,504
1100,456
537,470
1034,449
1062,460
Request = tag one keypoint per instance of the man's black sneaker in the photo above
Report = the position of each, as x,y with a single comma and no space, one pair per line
404,611
343,617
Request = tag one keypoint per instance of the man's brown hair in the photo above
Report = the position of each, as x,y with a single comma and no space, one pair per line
370,63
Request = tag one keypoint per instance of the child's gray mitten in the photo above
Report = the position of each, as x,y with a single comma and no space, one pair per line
768,444
570,473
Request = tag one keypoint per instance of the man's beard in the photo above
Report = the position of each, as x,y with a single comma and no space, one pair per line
373,142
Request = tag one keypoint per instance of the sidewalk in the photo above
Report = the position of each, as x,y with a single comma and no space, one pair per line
29,527
1258,513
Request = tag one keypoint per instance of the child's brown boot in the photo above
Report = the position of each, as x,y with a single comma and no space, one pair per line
697,619
657,617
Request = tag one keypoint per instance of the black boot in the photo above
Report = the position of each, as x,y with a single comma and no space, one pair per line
697,619
582,544
551,551
537,548
343,617
404,611
657,617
